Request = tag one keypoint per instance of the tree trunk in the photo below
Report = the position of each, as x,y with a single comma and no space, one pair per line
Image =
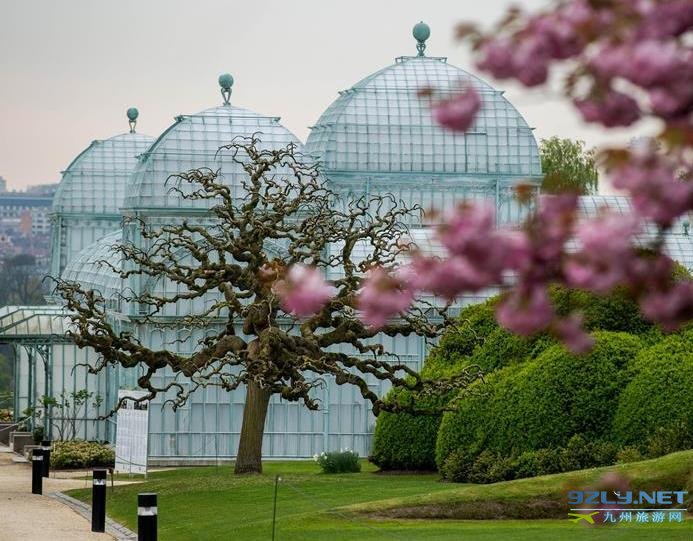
249,459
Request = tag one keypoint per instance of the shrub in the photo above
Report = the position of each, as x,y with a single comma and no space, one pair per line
616,312
344,461
542,404
558,395
81,454
403,441
6,415
475,323
456,467
502,348
480,470
628,454
654,411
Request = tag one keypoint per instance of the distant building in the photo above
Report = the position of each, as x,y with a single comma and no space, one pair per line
3,185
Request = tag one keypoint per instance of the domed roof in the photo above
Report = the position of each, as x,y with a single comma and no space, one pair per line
381,124
88,267
193,142
95,181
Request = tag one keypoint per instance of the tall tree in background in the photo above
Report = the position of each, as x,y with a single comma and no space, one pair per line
21,281
568,166
237,261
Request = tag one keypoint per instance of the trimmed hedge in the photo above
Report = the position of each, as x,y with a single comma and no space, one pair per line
655,412
616,312
542,403
81,454
403,441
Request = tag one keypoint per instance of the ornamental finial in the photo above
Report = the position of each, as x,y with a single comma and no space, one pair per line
132,114
421,33
226,82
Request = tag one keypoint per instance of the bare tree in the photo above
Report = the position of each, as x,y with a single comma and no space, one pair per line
282,214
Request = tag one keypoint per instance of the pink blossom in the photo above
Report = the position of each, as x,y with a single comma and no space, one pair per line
304,291
666,19
655,191
449,277
552,226
530,60
384,295
466,226
674,100
525,313
560,35
652,63
571,332
670,307
612,109
610,61
497,59
458,113
605,253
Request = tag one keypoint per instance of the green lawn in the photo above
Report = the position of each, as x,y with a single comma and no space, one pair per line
210,503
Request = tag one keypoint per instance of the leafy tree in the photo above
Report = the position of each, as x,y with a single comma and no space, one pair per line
567,165
238,257
20,281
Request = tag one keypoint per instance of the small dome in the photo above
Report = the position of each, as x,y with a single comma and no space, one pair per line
94,183
192,142
382,125
88,269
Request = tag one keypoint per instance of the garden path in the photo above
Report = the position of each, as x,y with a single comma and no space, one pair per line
28,517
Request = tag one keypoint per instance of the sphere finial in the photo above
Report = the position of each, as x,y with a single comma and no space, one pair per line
132,114
226,82
421,33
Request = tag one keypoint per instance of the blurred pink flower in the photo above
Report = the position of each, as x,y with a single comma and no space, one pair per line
384,295
612,109
571,332
605,253
526,312
458,113
670,307
304,291
655,191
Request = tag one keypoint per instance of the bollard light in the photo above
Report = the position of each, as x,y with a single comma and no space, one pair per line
37,471
98,500
146,516
46,448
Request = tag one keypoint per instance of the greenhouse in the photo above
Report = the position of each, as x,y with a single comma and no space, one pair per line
377,137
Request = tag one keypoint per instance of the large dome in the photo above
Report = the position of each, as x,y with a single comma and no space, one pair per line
94,183
193,142
382,125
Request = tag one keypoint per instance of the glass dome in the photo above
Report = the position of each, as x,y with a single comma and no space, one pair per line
94,183
88,267
382,125
193,142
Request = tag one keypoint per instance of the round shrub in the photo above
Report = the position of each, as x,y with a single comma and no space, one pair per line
404,441
615,312
542,403
655,411
502,348
474,324
81,454
558,395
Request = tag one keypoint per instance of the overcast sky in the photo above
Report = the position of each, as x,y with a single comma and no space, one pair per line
71,68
